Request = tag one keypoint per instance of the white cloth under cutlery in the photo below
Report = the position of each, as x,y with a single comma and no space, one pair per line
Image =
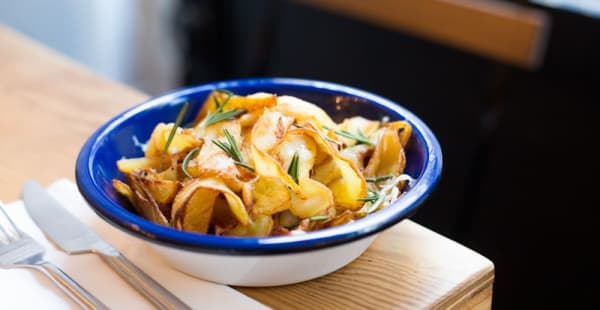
28,289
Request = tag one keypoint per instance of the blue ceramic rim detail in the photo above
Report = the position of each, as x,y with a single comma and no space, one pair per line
374,223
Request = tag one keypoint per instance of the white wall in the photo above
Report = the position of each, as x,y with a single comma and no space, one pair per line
130,41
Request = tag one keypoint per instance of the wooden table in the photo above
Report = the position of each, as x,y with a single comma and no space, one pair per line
50,105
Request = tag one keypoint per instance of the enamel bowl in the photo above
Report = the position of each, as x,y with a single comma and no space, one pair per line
266,261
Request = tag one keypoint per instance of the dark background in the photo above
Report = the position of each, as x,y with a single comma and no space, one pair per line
520,161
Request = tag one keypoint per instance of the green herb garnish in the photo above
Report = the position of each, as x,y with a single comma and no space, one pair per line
371,197
359,136
379,179
178,121
186,160
293,168
231,148
317,218
218,115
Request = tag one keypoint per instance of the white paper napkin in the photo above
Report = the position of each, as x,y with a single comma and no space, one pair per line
28,289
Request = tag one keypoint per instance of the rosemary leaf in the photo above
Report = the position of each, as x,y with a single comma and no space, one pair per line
218,116
241,164
222,145
319,218
236,154
187,159
379,179
178,121
371,197
359,136
293,168
231,148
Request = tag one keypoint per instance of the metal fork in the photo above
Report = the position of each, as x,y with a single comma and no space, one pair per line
19,250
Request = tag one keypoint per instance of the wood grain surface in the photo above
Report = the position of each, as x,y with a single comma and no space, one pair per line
51,105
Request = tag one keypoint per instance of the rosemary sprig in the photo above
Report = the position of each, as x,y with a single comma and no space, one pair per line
371,197
178,121
317,218
186,160
231,148
218,115
379,179
293,168
359,136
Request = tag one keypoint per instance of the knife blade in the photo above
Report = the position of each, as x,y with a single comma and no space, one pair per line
73,237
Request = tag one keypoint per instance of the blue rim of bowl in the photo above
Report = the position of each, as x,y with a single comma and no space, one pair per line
166,236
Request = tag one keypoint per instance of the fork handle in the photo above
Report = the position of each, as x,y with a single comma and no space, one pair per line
80,295
159,296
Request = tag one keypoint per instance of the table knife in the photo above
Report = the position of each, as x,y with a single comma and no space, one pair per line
73,237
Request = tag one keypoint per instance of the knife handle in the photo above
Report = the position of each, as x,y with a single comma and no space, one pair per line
80,295
143,283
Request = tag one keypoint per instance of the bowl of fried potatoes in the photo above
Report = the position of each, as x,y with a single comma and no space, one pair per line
259,182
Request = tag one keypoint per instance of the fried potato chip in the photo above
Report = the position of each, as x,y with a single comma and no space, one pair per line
144,203
388,157
350,186
235,202
296,142
357,154
404,130
269,129
126,165
193,207
260,226
123,189
318,199
269,196
253,102
267,166
302,110
357,124
183,141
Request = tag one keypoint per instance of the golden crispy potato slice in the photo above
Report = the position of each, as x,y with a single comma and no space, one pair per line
357,125
235,202
357,154
267,166
194,204
213,161
318,199
126,165
183,141
327,172
350,186
296,143
253,102
260,226
247,120
269,129
123,189
388,157
209,105
162,191
404,130
193,207
303,110
269,196
222,216
144,203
